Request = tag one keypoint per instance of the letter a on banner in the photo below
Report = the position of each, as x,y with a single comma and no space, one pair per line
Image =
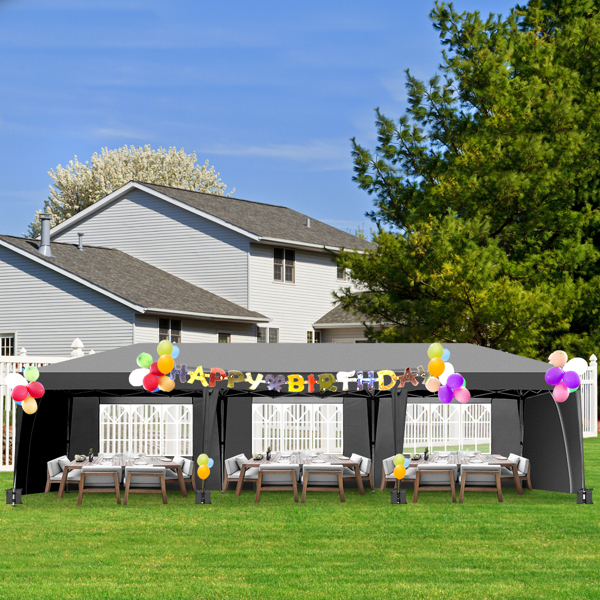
198,374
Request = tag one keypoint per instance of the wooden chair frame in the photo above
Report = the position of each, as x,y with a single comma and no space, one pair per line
82,489
435,488
497,489
162,490
525,478
227,481
384,478
49,482
276,488
305,487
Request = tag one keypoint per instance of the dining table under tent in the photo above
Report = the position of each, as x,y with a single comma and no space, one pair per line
220,416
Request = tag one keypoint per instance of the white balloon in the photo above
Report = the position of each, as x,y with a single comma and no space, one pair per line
136,377
579,365
15,379
449,370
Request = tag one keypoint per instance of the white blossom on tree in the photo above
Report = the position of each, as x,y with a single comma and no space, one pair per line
79,185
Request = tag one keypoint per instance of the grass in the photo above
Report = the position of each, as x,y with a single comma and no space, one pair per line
540,545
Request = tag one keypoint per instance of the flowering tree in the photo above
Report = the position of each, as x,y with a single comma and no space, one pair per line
79,185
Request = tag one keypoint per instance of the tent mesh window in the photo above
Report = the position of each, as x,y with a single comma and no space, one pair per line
154,429
292,427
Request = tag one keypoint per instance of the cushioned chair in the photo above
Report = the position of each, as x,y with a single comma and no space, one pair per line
55,469
523,469
435,477
99,478
147,480
187,470
233,470
480,478
322,479
365,468
277,478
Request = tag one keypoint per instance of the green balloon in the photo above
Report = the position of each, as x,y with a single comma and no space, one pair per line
144,360
572,390
399,460
464,382
31,374
202,460
435,350
164,347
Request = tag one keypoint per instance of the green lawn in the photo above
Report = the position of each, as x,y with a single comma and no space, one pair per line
540,545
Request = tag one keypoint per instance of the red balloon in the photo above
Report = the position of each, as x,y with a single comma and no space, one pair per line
19,393
154,370
150,382
36,389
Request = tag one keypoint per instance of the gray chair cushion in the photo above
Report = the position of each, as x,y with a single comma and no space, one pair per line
63,461
139,480
480,480
179,460
388,466
523,466
102,481
324,479
348,473
187,467
231,466
506,473
73,475
170,475
356,458
441,479
514,458
280,479
411,473
240,459
54,468
365,466
251,473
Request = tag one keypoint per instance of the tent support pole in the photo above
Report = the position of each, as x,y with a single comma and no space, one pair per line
372,414
222,425
521,411
69,424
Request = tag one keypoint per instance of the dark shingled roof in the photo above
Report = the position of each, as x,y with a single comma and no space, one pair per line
133,280
264,220
338,315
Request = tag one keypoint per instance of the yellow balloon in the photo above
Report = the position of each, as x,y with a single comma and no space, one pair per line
202,459
29,405
435,350
399,472
164,347
203,471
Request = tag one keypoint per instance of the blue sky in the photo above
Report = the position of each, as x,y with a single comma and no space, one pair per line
269,92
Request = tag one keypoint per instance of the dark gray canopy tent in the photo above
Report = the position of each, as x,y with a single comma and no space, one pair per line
525,418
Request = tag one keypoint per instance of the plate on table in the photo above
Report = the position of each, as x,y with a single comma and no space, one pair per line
344,458
166,459
141,463
318,460
443,453
476,460
501,457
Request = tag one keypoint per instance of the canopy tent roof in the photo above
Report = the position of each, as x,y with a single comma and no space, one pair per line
483,368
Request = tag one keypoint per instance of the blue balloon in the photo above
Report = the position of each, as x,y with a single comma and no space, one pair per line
175,352
156,390
18,403
211,462
446,355
406,463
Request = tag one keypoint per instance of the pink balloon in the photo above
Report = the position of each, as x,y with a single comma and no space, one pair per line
433,384
559,358
462,395
561,392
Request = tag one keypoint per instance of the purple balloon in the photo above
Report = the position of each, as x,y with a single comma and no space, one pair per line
455,381
445,394
554,376
571,380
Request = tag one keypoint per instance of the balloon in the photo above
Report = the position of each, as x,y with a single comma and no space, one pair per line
166,384
436,367
136,377
462,395
435,350
433,384
446,355
448,370
399,472
144,360
445,394
18,403
203,472
571,379
156,390
406,463
464,382
210,464
164,347
31,374
12,380
578,365
455,381
154,369
558,358
554,375
19,393
561,392
399,459
202,460
165,364
175,352
150,382
572,390
29,405
36,389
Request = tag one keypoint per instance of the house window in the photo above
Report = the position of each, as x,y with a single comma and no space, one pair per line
7,345
293,427
309,337
342,274
267,334
317,337
261,335
169,329
224,338
284,265
273,335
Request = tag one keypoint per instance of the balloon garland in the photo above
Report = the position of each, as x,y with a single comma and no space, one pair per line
152,375
442,378
26,389
564,374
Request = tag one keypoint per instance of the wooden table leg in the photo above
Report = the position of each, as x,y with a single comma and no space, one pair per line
517,480
359,482
238,488
181,482
63,482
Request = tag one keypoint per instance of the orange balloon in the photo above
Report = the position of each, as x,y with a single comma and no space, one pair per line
165,363
399,472
203,471
166,384
29,405
436,367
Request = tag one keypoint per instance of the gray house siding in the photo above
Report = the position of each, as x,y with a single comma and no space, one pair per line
46,310
199,251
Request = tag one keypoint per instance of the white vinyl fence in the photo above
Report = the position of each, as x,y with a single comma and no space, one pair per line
589,399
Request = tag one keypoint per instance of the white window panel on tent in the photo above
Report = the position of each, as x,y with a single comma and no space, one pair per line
154,429
292,427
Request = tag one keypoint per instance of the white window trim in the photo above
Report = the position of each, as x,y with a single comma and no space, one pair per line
14,334
224,333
